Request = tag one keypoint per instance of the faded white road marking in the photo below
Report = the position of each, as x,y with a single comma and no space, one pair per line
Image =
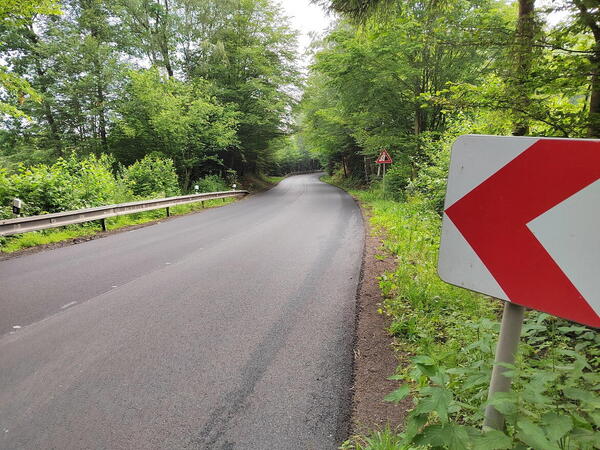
67,305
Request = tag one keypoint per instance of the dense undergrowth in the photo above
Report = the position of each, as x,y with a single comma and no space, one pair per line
446,337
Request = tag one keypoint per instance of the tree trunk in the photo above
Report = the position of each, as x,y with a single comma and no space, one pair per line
43,87
102,118
524,48
593,23
164,47
49,116
594,118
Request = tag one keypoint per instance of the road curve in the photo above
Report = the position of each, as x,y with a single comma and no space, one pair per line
229,329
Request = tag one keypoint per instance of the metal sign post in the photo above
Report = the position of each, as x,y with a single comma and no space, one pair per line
506,350
384,159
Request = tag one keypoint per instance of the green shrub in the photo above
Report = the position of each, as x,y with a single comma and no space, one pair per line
152,176
397,178
431,179
211,183
68,184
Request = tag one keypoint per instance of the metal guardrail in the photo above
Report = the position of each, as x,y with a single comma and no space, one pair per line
45,221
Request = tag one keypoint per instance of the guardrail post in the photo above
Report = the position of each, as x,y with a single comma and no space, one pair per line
202,205
103,223
168,212
223,199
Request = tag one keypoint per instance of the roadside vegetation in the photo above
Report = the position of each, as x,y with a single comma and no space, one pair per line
410,77
208,84
75,183
445,340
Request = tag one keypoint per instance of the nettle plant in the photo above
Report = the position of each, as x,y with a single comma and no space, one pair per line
553,404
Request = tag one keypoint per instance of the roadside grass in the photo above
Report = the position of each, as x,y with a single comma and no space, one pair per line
446,336
385,439
11,244
272,180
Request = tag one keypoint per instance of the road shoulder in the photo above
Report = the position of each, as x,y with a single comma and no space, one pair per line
374,358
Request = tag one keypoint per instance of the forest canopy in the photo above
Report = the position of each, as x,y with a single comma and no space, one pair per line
410,76
209,84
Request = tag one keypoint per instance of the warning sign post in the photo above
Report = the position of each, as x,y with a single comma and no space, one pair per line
384,159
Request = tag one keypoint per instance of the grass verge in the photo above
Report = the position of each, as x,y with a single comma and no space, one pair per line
447,336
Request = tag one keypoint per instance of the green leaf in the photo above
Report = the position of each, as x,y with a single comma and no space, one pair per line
595,415
583,438
398,395
557,425
396,377
491,440
536,397
437,399
586,397
505,403
414,424
534,436
449,435
425,364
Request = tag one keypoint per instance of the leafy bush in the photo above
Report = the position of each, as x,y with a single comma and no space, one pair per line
68,184
211,183
152,176
431,177
397,178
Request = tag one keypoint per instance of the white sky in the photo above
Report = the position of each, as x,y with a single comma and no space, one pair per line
307,18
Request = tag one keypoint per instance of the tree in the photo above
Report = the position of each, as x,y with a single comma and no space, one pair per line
390,78
520,87
248,51
589,16
236,56
152,30
179,120
13,16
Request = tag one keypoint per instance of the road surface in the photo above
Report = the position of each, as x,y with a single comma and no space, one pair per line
228,329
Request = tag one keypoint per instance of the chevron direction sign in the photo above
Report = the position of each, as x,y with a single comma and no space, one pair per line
522,223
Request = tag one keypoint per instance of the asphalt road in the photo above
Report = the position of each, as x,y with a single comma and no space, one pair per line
231,328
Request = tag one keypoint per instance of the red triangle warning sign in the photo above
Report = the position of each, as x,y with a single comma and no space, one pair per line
384,158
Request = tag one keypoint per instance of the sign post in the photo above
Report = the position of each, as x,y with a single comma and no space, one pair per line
506,350
520,224
384,159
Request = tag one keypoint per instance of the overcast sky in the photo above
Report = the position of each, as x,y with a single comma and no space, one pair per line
307,18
